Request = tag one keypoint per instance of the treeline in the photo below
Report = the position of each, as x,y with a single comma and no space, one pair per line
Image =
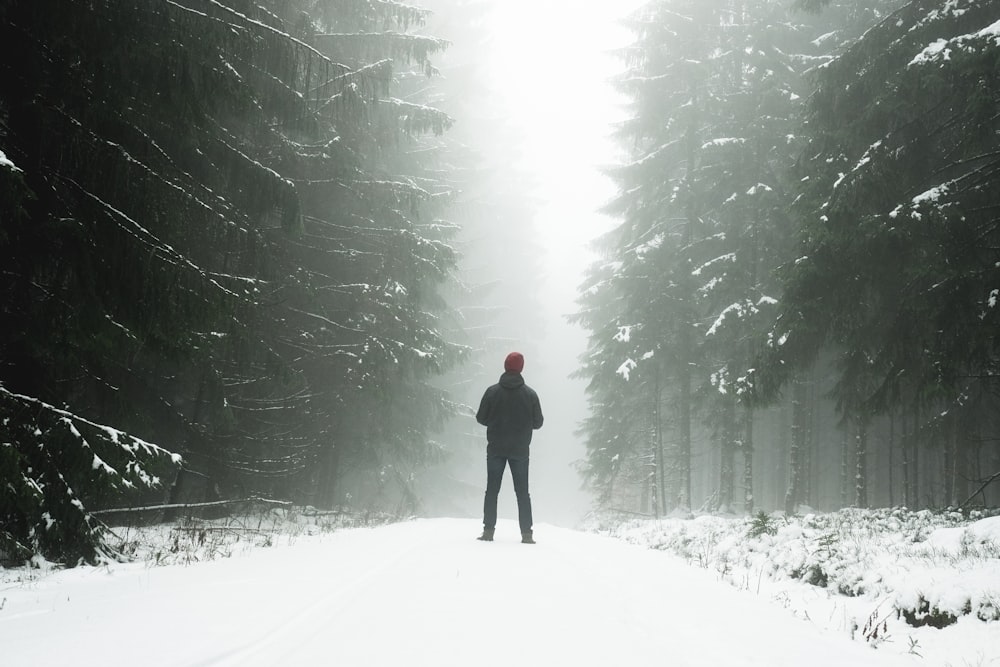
222,231
799,306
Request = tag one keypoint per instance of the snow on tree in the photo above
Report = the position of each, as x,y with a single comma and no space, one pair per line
899,234
219,242
54,465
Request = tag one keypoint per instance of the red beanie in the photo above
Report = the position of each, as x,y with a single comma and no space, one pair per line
514,363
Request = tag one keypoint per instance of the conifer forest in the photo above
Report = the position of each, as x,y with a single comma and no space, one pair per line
249,248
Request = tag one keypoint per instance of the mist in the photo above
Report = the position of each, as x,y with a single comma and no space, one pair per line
534,100
310,311
259,262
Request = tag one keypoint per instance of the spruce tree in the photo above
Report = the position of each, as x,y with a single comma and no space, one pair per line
220,247
896,252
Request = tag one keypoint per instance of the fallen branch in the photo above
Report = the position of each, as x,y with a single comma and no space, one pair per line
623,511
175,506
994,477
222,529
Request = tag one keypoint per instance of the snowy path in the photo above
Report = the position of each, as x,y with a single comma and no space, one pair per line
413,594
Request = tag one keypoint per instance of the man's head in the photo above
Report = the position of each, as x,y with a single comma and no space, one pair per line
514,363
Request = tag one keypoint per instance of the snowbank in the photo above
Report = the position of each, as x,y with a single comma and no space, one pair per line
5,163
883,571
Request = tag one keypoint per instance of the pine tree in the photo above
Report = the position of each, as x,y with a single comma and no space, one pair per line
225,250
717,87
897,252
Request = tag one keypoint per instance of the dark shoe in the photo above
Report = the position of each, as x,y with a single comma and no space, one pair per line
487,535
526,538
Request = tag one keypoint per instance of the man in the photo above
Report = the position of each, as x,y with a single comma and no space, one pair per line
510,412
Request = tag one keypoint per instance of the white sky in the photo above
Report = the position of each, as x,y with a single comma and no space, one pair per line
552,62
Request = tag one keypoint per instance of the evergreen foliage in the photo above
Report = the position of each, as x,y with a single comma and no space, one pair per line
900,213
716,88
216,243
53,460
809,213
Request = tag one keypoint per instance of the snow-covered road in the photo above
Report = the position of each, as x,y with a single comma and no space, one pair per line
418,593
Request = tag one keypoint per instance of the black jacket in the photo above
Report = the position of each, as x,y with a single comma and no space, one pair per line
510,411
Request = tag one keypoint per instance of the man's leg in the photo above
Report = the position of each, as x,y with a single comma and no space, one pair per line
494,476
519,472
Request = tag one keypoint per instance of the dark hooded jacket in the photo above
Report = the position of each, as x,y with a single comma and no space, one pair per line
510,411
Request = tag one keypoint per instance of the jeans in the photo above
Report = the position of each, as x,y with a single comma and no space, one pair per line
495,465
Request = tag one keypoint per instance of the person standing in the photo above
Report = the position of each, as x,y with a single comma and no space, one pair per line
510,411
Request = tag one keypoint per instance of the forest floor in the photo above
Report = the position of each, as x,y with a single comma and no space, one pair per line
425,592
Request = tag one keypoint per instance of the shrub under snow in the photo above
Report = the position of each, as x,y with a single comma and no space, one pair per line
931,567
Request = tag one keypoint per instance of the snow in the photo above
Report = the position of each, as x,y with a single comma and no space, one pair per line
948,11
859,572
936,48
822,38
929,198
760,187
723,141
941,49
741,309
932,195
650,245
728,257
126,441
6,163
625,370
711,284
864,160
624,334
424,592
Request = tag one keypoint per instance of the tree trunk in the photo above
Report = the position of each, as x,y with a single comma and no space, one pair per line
994,466
692,144
780,470
861,468
659,491
727,459
806,488
797,448
684,425
644,496
653,467
845,457
904,450
892,446
948,463
958,439
747,447
915,477
329,476
963,467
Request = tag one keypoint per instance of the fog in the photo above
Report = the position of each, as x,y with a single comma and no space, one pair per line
272,256
566,142
538,106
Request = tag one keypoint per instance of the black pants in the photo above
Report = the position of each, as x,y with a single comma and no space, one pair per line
495,465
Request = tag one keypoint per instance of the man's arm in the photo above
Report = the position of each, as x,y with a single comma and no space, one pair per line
483,416
536,412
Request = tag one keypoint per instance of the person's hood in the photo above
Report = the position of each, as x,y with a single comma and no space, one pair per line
511,380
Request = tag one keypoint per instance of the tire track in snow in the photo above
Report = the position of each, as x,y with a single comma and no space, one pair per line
279,645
